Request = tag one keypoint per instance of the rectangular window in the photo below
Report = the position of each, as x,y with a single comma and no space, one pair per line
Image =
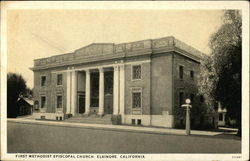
191,98
59,79
181,98
59,102
220,117
136,71
139,122
133,121
192,74
136,97
181,72
201,99
43,101
43,80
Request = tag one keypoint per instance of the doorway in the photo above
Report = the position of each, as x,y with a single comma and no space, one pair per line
81,103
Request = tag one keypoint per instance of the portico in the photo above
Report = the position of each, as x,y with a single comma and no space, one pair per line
94,90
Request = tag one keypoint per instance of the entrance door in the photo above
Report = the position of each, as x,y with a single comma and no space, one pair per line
81,103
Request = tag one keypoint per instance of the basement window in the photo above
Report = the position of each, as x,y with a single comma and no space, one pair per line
133,121
139,122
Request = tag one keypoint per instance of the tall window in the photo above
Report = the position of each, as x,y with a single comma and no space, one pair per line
43,101
59,102
192,74
192,97
136,99
136,72
181,97
201,98
220,117
59,79
43,80
181,72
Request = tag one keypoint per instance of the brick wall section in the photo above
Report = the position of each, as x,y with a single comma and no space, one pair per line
187,85
144,83
50,90
161,84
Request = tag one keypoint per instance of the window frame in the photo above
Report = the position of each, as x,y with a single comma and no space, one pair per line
136,111
59,95
191,74
57,79
132,72
41,80
220,118
45,104
181,74
181,101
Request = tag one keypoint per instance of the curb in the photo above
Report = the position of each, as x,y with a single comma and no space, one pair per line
93,126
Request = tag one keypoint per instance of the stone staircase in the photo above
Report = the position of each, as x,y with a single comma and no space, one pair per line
93,119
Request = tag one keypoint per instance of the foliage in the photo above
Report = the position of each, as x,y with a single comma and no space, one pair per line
221,72
16,86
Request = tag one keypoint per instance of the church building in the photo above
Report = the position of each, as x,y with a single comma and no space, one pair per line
141,83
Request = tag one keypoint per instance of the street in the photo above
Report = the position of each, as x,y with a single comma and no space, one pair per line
30,138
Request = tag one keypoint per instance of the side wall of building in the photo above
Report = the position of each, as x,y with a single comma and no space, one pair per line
162,90
188,86
142,85
50,90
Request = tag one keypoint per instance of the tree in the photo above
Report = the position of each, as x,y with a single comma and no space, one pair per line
221,71
16,86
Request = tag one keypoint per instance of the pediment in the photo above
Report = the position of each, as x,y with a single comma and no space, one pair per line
95,50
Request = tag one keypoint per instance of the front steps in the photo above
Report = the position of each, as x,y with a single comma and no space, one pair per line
93,119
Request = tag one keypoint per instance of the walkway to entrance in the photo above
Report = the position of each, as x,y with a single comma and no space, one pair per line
93,119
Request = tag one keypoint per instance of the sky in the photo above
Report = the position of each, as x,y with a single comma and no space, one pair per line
33,34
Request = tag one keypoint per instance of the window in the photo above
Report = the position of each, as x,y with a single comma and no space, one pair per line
136,72
139,122
59,102
192,74
59,79
181,72
43,80
220,117
133,121
43,101
136,98
181,98
201,99
192,98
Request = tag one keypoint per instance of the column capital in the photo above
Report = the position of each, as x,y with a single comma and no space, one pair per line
116,68
87,71
100,69
122,66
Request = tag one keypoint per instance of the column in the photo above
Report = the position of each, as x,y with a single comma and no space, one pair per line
122,92
68,92
101,91
116,91
87,93
73,92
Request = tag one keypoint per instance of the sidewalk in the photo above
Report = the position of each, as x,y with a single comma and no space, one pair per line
142,129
